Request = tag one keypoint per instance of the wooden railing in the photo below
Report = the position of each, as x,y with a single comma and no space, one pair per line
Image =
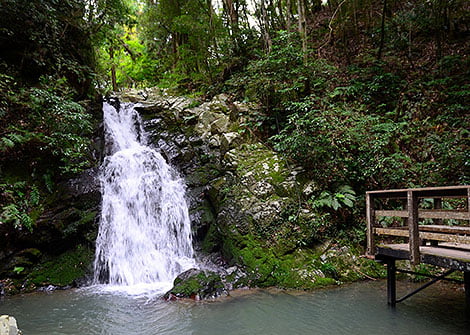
415,232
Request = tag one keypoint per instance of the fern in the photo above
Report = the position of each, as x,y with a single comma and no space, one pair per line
344,196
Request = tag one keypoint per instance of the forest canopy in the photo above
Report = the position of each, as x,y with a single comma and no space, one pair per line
375,92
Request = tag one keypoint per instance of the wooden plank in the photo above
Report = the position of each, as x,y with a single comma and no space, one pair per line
391,231
370,216
459,246
437,202
399,214
435,214
445,237
427,214
463,230
436,188
424,235
459,191
453,258
412,207
468,200
384,251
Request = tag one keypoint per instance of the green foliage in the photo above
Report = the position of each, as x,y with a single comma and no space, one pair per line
46,38
181,40
49,121
344,196
18,269
280,77
370,142
22,205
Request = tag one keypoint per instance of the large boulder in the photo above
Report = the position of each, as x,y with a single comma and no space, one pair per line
198,285
8,325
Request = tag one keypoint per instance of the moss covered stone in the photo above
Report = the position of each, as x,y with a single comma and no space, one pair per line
196,284
247,202
64,269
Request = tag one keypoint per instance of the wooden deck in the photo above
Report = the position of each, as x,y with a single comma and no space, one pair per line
453,256
438,236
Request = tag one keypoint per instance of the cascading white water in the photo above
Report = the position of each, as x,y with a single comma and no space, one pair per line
144,236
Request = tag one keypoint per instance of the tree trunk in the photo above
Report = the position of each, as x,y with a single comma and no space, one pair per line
439,19
382,31
265,27
288,15
282,19
232,16
303,28
113,69
211,14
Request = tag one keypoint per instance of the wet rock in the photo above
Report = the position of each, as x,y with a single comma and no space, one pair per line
86,183
229,140
234,278
198,285
20,263
8,325
132,95
240,191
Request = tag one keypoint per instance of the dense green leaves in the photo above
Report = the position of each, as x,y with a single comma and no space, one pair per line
20,205
45,38
52,124
46,72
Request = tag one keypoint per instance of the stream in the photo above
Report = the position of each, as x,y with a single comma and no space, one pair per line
358,308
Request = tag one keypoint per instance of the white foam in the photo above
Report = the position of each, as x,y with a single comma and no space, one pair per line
144,238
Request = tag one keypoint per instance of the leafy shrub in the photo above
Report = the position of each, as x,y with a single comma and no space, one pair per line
344,196
279,77
22,205
48,121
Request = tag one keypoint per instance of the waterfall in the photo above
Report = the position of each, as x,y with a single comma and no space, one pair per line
144,236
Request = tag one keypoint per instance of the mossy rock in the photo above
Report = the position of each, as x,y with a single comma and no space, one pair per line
64,269
196,284
211,242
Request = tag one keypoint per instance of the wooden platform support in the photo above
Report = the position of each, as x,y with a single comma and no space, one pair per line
466,280
412,206
429,283
391,282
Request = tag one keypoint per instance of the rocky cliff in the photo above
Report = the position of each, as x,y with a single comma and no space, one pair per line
246,200
247,206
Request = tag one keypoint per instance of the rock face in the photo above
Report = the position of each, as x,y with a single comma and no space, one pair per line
8,325
59,249
244,198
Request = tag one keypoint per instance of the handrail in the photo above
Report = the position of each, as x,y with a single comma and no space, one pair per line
412,214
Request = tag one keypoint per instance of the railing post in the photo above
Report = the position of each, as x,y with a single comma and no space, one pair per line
370,216
412,207
437,205
468,200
